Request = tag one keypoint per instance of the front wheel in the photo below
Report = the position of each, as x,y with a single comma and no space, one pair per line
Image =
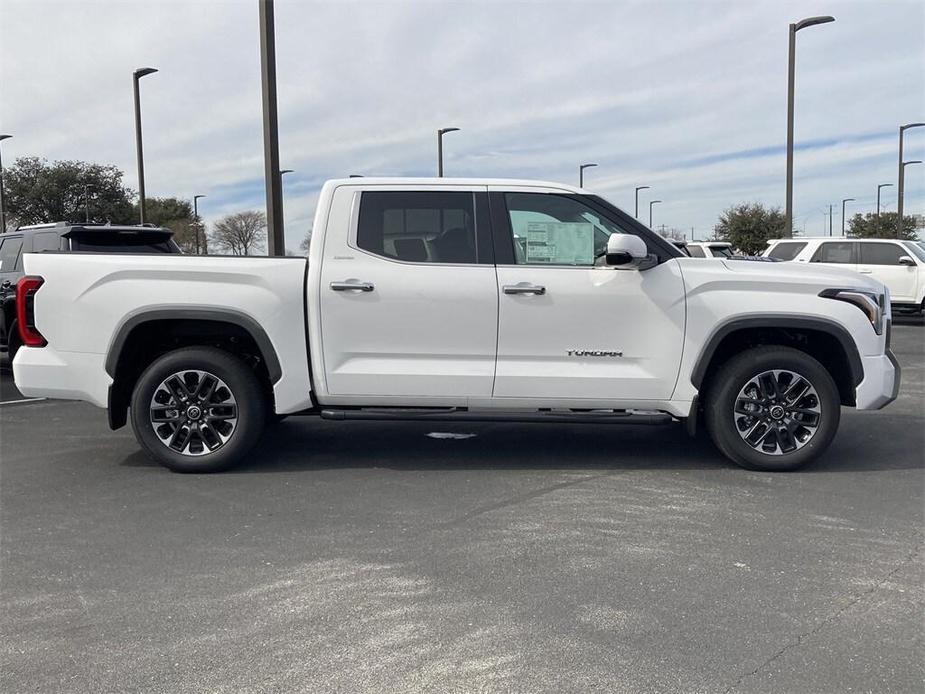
198,409
772,409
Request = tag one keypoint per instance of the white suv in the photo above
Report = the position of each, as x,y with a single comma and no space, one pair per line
710,249
900,265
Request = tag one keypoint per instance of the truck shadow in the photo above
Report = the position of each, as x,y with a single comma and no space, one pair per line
863,443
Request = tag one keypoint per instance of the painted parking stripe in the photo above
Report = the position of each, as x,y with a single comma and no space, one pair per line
15,402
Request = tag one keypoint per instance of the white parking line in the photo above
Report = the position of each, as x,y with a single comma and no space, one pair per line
15,402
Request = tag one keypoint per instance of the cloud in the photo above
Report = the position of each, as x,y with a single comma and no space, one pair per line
689,98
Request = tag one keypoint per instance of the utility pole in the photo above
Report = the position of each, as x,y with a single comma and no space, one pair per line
276,242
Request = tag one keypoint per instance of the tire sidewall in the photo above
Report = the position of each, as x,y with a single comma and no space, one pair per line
240,380
733,377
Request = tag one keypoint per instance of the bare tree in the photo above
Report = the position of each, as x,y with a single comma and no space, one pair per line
306,243
241,233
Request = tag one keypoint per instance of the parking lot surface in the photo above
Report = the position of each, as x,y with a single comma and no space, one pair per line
371,557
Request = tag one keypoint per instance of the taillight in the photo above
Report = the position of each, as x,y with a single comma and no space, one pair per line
26,288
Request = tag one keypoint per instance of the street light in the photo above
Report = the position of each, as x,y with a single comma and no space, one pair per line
440,133
282,218
791,73
652,202
901,183
276,241
581,174
2,202
87,188
196,219
638,188
843,214
136,76
882,185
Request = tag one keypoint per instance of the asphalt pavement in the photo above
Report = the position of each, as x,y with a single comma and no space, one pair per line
371,557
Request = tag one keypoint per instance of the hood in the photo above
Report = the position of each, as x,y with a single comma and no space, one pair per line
805,273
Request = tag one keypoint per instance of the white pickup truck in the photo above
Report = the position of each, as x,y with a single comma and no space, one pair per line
457,300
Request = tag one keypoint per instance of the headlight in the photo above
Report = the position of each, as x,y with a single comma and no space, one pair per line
871,303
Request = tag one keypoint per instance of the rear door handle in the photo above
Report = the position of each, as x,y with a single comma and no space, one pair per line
524,288
352,286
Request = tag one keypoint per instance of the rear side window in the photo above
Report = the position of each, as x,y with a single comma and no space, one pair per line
419,226
721,251
881,253
9,253
787,250
696,252
46,241
834,252
123,243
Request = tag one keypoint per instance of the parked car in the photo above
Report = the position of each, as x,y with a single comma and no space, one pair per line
96,238
418,303
710,249
900,265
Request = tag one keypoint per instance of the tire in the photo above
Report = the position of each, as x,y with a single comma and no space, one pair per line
749,409
198,409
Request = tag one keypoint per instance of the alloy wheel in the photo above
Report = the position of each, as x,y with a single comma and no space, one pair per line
193,412
777,412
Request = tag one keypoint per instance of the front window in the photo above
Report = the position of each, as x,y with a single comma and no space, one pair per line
881,253
917,248
788,250
554,229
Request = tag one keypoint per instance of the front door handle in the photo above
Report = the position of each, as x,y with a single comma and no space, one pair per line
352,286
524,288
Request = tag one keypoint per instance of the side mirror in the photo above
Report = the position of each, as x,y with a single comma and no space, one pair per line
626,251
906,260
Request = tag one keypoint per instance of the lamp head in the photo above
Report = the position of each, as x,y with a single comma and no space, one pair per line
812,21
142,71
443,131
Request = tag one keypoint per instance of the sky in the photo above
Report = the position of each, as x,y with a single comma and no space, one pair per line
686,97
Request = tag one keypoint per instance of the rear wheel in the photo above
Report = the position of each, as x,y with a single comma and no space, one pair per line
772,408
198,409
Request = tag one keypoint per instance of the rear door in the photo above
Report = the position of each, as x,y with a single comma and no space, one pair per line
571,329
838,253
10,270
409,297
880,259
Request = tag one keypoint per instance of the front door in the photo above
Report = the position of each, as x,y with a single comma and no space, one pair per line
570,328
880,260
409,299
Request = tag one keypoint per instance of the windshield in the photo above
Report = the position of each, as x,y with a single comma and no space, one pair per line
917,248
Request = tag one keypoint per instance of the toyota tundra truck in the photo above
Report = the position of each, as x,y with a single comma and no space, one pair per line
457,300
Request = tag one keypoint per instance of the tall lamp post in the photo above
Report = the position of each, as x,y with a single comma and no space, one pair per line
440,133
901,182
282,218
2,201
879,188
581,174
791,74
196,220
652,202
274,186
87,188
843,214
638,188
136,76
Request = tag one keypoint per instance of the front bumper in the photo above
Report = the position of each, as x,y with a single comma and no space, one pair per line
880,386
44,372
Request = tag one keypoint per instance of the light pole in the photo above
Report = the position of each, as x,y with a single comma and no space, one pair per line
2,201
196,219
581,174
638,188
282,218
440,133
843,214
136,76
652,202
901,183
276,241
879,187
791,74
87,188
830,218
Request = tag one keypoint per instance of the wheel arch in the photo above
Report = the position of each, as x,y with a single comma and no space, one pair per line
825,340
146,335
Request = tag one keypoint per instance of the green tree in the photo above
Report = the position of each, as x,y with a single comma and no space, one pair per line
38,192
869,226
748,226
177,215
241,233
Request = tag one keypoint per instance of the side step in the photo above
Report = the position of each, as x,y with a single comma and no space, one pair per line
460,414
